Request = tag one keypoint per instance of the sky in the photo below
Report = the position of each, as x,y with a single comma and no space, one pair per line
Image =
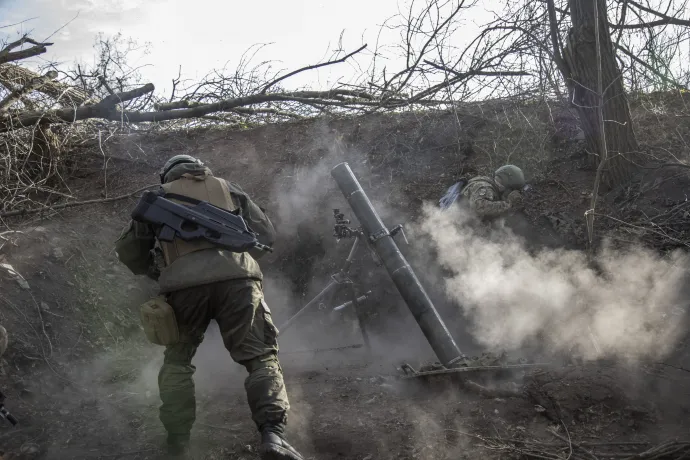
202,35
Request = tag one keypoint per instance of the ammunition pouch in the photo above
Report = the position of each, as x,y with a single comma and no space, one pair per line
159,322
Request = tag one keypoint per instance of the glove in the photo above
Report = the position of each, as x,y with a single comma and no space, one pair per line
515,199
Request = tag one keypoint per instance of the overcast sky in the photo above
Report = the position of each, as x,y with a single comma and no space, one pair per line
202,35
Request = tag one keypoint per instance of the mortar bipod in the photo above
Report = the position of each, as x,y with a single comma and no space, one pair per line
340,279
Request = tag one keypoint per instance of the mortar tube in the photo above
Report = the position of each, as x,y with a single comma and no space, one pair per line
401,273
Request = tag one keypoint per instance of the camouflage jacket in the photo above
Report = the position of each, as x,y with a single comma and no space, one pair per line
484,197
138,248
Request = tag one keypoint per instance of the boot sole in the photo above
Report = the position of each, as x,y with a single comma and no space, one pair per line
278,453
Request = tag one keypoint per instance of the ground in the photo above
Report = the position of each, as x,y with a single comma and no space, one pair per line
81,379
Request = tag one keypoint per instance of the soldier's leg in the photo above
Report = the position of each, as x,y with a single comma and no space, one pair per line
177,392
251,338
175,379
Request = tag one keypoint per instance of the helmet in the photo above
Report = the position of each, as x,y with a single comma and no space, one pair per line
511,177
176,160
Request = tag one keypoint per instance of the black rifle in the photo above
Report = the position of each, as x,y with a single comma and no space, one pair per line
4,413
200,221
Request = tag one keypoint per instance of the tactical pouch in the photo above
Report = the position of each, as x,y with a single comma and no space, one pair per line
158,320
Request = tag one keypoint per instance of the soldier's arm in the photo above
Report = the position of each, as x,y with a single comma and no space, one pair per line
134,246
256,219
483,204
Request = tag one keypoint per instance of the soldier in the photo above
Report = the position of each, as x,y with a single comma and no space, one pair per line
202,282
488,197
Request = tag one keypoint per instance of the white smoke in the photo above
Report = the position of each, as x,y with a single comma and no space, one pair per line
626,307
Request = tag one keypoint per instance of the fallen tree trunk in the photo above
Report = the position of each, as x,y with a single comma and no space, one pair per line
106,109
15,77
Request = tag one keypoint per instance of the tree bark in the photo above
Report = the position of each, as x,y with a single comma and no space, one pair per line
581,74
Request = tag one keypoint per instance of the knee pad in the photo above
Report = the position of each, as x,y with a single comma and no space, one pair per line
262,362
181,353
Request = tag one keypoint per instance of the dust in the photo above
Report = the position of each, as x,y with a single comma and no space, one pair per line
622,304
307,189
301,206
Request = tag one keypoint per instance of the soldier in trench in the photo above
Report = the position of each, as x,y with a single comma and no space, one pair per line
202,282
489,197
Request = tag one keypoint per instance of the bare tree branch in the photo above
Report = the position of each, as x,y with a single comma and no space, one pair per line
311,67
7,55
555,38
665,19
104,109
473,73
18,23
644,64
647,25
72,204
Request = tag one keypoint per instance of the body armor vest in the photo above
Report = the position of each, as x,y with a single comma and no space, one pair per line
202,188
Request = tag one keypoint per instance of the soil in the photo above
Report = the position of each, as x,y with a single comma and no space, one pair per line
81,379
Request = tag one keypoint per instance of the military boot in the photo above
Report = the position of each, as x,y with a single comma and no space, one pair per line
178,445
275,447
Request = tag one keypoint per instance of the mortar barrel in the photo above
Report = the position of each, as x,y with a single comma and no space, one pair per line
398,268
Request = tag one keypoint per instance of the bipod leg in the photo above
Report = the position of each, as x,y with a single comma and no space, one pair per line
360,318
337,279
315,301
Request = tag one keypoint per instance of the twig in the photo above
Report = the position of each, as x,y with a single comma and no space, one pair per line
21,212
311,67
62,27
571,443
43,326
18,23
472,73
675,240
45,358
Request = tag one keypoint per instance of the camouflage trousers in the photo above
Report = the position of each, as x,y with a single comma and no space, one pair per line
248,334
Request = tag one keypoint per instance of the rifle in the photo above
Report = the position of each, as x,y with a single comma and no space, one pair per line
200,221
4,413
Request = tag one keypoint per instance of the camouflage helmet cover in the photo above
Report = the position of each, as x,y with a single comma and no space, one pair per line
176,160
511,177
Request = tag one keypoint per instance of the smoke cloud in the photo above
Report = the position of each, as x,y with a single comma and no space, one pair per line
621,304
